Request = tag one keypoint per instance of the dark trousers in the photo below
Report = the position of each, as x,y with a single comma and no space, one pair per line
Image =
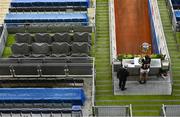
122,83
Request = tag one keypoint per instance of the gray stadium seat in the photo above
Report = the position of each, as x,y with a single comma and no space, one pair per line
60,49
40,49
20,49
80,49
43,38
6,70
80,69
82,37
26,70
55,60
52,69
32,60
23,38
82,29
62,37
80,60
79,55
9,60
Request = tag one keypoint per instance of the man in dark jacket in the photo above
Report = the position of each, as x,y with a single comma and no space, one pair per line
122,75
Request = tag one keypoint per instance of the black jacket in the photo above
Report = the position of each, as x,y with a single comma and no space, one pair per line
122,73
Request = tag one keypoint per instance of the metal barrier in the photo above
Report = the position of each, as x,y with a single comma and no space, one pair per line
40,112
113,111
3,38
170,110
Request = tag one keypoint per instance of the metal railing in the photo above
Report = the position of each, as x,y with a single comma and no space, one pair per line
3,38
113,111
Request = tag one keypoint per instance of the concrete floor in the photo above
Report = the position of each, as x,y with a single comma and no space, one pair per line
155,85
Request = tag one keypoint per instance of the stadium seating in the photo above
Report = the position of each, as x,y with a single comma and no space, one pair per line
177,14
49,3
60,49
80,49
43,38
53,69
62,37
23,38
40,49
45,67
53,45
26,70
82,37
20,50
46,18
74,96
176,4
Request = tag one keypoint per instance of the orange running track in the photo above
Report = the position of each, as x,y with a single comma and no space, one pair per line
132,25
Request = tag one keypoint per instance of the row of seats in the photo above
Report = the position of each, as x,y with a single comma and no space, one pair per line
48,9
32,70
47,60
54,50
47,38
49,3
175,2
46,18
75,96
51,28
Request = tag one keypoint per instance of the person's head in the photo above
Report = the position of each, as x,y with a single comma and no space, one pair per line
147,57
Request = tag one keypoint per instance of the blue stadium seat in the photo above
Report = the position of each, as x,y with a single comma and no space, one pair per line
41,3
75,96
45,17
177,14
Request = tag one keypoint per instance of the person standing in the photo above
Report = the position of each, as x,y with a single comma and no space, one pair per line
122,75
144,70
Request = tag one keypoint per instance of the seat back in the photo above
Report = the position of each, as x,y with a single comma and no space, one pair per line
82,37
80,69
20,48
59,48
26,70
23,38
80,48
40,48
52,69
62,37
43,38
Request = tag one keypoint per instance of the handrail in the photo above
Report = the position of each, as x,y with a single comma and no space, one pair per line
93,84
130,110
163,110
3,38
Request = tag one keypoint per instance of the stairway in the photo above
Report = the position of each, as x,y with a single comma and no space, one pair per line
4,6
102,52
175,55
142,105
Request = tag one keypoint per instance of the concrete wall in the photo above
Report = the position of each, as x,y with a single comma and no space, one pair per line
112,31
159,39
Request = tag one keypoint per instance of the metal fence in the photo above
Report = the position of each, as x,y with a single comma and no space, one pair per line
112,111
170,110
3,38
